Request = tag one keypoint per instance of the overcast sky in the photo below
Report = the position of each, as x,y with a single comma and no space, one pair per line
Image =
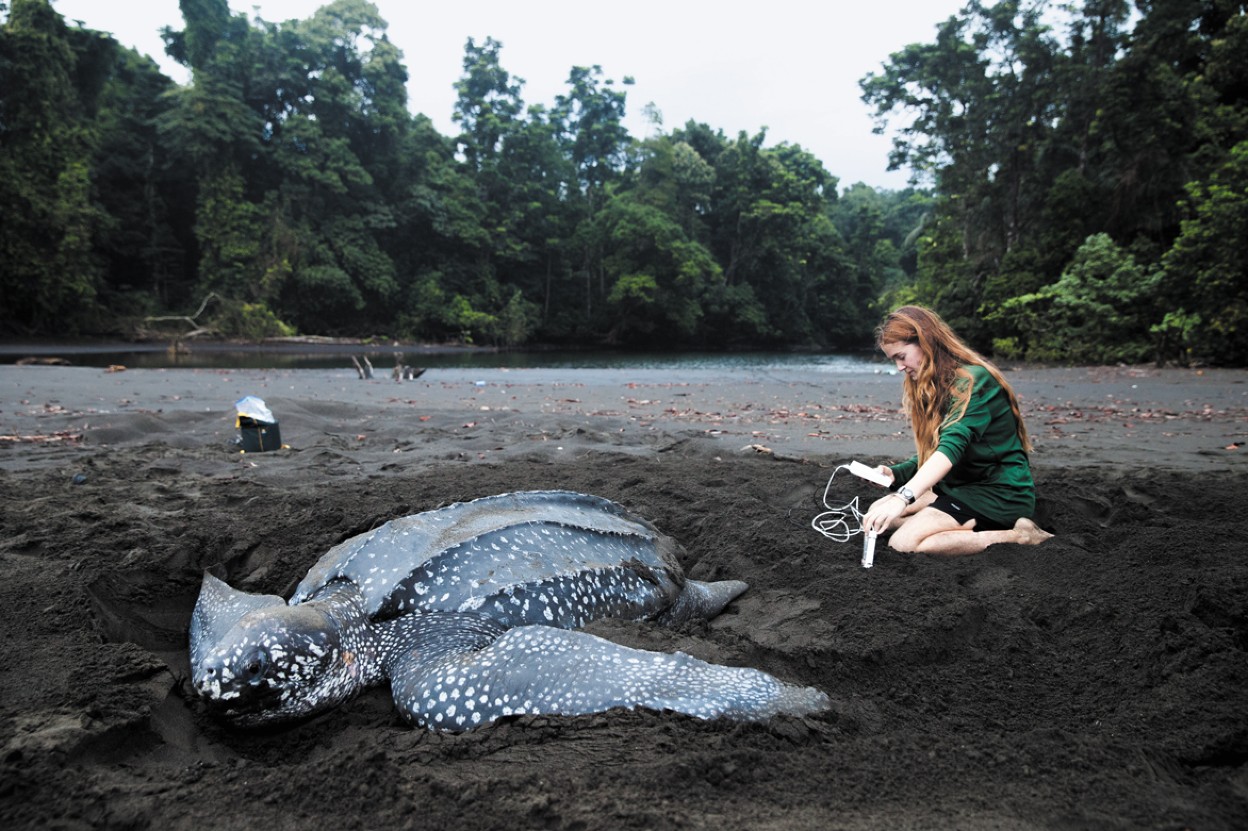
791,66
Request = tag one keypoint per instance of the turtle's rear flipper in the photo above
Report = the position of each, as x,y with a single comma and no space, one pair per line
542,670
702,601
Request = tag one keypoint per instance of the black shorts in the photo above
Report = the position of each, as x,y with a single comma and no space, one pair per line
954,509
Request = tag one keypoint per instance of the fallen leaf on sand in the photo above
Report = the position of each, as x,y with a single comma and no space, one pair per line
42,438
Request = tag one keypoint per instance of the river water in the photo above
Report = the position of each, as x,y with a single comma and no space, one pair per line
383,358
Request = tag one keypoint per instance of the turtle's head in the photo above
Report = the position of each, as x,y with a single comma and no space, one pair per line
257,661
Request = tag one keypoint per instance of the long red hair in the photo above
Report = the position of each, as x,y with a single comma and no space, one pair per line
941,389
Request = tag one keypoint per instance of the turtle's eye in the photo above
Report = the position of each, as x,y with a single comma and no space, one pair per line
255,668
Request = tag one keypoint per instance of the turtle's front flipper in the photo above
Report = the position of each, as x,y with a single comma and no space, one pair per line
542,670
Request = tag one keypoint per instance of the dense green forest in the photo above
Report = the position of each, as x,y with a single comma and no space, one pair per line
1081,192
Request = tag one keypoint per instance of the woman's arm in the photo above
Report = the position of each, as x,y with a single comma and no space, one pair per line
929,473
887,508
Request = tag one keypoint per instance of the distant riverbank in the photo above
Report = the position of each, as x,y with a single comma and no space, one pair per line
329,354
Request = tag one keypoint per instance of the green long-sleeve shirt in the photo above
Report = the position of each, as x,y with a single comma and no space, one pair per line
991,474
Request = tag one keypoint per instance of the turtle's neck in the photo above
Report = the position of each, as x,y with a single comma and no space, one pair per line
359,643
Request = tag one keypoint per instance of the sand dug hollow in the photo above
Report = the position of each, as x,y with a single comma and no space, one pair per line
1097,681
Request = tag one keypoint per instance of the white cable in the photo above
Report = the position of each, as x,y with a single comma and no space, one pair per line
835,522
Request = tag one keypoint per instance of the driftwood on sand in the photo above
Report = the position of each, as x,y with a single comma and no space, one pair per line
405,372
364,368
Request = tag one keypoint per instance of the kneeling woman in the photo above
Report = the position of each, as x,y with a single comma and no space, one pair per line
970,484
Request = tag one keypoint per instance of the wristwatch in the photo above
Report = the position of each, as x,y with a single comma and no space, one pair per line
906,494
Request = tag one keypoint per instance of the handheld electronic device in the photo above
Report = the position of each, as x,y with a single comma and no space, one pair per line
868,549
869,473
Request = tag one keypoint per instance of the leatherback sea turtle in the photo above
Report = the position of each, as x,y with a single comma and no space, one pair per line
468,611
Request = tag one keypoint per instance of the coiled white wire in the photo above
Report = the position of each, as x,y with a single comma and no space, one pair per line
841,523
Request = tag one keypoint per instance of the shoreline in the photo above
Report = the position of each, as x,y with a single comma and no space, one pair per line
1175,419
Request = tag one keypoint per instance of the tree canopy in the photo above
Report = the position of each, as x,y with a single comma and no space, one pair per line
1082,157
1080,192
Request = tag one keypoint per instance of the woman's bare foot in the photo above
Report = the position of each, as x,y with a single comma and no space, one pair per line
1029,533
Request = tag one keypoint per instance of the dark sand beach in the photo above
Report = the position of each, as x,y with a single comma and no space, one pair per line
1099,680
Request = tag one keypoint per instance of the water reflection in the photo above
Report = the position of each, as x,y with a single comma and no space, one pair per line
383,359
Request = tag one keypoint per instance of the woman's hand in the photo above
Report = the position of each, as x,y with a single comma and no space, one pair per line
882,513
886,472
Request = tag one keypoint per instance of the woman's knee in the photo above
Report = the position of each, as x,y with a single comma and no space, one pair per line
910,536
903,541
